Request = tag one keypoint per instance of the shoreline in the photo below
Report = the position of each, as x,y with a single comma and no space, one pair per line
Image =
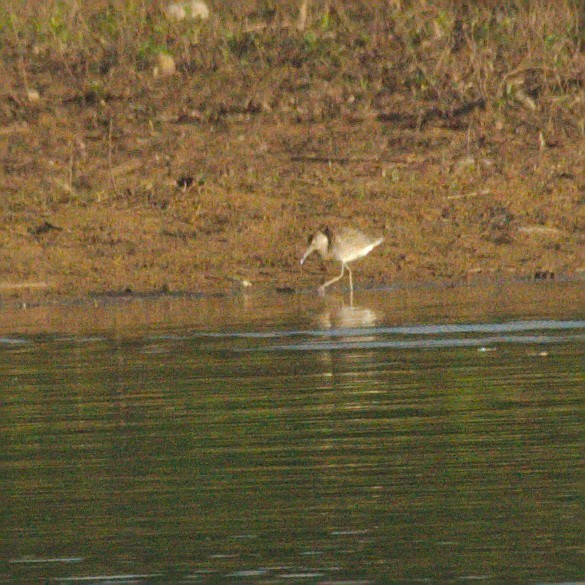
117,297
115,177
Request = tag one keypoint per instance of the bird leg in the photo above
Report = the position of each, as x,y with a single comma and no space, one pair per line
330,282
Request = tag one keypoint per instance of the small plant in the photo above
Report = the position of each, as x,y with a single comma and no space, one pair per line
106,23
149,49
325,23
310,42
58,26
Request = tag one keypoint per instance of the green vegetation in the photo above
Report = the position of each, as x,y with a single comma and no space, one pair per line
450,54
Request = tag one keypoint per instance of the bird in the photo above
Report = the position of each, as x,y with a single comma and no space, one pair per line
344,245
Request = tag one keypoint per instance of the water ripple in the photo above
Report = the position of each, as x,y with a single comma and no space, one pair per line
427,336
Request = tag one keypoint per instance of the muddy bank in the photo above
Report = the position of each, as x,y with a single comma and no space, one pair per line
117,178
443,214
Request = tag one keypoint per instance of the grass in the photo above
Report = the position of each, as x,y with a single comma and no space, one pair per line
498,55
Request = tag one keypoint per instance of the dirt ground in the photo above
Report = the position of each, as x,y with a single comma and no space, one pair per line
156,182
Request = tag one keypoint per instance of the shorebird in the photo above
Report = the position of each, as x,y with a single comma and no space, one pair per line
345,245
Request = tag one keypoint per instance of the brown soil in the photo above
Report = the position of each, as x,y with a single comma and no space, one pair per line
116,179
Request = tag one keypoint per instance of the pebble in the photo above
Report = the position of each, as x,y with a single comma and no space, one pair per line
190,9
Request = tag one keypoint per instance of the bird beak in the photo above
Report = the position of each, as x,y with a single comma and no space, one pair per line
310,249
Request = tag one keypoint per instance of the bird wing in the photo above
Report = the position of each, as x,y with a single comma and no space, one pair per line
352,243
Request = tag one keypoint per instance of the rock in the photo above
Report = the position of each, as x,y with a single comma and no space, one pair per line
189,9
33,96
165,65
539,230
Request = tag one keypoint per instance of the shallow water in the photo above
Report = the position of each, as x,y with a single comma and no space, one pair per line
418,436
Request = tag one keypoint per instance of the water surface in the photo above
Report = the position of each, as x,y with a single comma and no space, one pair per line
418,436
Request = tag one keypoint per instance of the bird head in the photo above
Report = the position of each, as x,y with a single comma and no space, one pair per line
318,242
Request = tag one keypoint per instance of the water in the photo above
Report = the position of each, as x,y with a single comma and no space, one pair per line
420,436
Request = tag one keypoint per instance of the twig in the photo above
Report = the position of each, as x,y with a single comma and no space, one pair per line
112,179
302,19
71,163
19,285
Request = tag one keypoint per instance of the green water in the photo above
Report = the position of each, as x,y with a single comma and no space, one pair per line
305,443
